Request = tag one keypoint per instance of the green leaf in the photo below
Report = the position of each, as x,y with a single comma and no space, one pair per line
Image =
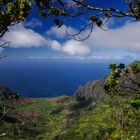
121,66
9,7
94,18
112,66
57,22
99,23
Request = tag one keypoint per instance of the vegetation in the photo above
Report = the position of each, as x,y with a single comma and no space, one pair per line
12,12
64,118
46,120
117,117
64,11
15,11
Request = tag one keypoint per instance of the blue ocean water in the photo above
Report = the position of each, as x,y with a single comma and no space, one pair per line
43,78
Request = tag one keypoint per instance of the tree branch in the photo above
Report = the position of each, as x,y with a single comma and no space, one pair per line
104,9
4,45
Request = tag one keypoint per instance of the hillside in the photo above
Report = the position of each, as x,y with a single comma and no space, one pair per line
95,89
91,114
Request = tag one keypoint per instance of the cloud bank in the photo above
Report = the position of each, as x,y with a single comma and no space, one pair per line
60,32
71,47
124,38
19,36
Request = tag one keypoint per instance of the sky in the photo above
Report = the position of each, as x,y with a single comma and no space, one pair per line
39,38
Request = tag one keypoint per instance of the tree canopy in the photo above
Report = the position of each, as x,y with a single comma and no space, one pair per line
12,12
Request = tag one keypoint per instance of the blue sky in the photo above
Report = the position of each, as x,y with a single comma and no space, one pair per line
38,38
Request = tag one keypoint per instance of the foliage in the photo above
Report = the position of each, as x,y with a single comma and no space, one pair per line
114,118
15,11
62,11
12,12
112,80
130,107
117,117
8,99
120,71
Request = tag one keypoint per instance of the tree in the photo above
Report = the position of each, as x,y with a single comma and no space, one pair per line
127,110
64,10
12,12
15,11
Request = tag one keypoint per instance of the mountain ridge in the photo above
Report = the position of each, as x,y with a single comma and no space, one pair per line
95,89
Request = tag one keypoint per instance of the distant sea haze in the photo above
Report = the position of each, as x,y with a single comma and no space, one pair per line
43,78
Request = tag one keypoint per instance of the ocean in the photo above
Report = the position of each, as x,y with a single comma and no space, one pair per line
45,78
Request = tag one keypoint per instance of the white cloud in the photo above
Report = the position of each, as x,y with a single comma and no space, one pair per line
84,58
75,48
55,45
60,32
19,36
59,57
125,37
45,57
71,47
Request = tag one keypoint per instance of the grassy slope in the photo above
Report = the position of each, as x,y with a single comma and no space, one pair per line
57,119
43,117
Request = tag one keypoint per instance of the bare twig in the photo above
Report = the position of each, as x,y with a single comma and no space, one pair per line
4,45
4,113
81,30
104,9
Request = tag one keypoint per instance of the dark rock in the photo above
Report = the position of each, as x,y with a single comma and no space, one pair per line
91,90
130,84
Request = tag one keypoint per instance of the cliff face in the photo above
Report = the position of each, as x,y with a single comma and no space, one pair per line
95,89
130,83
91,90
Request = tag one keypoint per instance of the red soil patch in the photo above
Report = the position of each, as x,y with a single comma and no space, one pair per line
55,99
29,116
